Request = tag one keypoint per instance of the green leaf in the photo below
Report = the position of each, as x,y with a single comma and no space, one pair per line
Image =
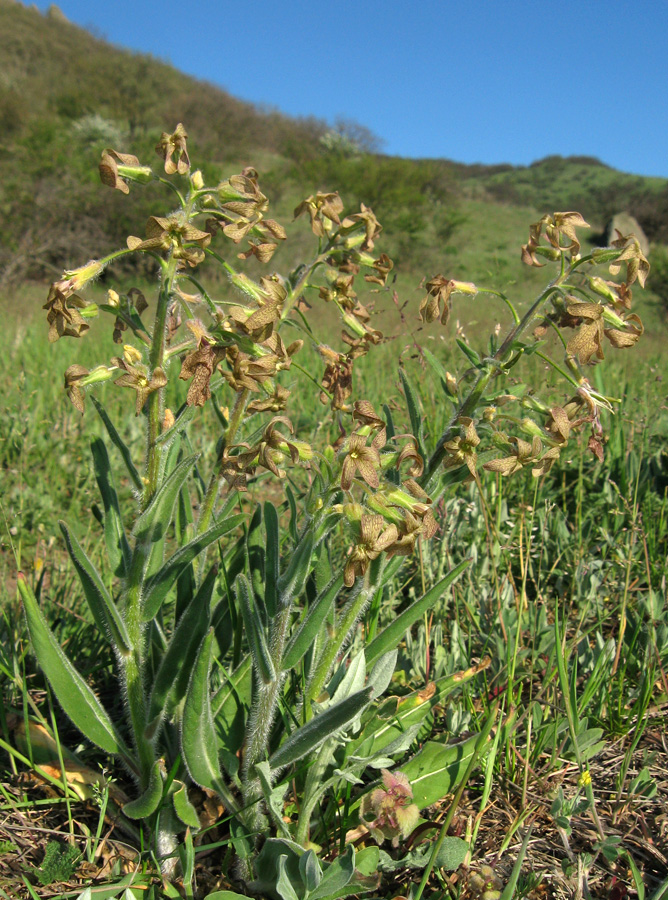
390,637
414,412
230,707
438,368
310,870
183,807
198,735
118,549
397,715
272,550
153,523
337,875
73,693
291,583
118,442
106,615
284,887
255,556
161,583
437,769
303,639
226,895
319,728
468,352
184,417
171,679
254,631
274,797
451,854
145,805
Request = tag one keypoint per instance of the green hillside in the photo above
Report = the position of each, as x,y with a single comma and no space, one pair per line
66,94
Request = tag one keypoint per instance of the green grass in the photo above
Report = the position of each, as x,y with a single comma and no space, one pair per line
563,596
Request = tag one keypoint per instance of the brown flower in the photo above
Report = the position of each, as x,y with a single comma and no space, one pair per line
116,169
273,402
637,266
382,268
439,288
175,234
522,454
248,371
323,210
237,467
462,449
588,341
73,376
172,148
360,459
274,447
337,378
62,315
365,219
200,365
137,378
374,537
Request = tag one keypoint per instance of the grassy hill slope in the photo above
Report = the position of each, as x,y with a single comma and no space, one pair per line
66,94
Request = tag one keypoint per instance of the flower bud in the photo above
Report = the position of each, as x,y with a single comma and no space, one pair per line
603,289
76,279
611,318
532,428
131,355
464,287
138,174
377,503
353,511
247,286
605,254
197,180
98,375
354,240
113,299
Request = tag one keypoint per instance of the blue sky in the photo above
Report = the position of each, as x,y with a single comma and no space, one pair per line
480,81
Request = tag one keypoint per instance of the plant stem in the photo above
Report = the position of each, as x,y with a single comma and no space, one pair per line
155,400
470,403
209,501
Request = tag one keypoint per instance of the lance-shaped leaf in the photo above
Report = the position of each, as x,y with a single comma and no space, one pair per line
254,550
104,611
153,523
118,442
118,549
414,412
183,807
262,660
161,583
311,624
395,716
390,637
171,679
336,876
149,801
272,555
74,695
198,735
319,728
291,583
437,769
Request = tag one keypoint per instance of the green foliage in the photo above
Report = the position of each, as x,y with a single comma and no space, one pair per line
59,863
253,574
